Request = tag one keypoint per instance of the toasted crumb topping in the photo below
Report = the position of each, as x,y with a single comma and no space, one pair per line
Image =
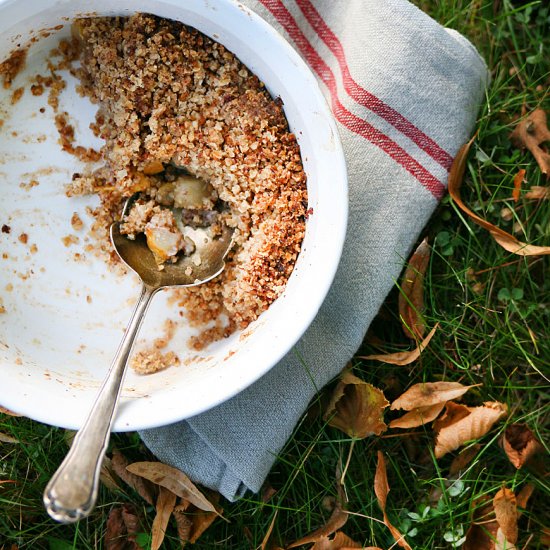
17,95
170,97
10,68
153,360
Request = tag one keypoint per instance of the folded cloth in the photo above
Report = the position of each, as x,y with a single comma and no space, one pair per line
405,92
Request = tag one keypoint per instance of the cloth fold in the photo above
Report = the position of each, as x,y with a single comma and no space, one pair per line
405,92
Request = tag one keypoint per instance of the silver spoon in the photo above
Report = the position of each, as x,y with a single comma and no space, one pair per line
71,493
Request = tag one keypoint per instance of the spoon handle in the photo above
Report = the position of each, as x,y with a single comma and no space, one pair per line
71,493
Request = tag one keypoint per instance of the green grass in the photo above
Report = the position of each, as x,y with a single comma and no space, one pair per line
494,312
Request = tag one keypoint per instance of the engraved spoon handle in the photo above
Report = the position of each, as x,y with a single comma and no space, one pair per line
71,493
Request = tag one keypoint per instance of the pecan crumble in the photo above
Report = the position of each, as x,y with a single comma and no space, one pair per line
187,125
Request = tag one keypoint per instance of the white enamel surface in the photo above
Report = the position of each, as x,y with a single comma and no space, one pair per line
64,318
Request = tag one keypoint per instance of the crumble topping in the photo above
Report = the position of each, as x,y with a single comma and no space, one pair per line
10,68
189,127
170,97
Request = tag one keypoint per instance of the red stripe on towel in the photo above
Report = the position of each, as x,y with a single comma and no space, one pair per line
343,115
367,99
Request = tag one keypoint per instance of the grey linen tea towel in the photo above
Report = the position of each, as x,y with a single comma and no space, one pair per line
405,93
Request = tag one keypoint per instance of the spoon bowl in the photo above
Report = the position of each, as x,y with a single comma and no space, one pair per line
72,492
206,262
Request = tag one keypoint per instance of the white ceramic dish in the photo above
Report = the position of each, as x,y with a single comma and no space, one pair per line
64,318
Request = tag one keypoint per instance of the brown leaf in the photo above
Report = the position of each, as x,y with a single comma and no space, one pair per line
501,543
164,507
132,520
115,532
8,412
339,542
463,459
6,481
531,132
506,513
453,413
403,357
507,241
144,488
5,438
123,524
461,424
426,394
418,417
192,522
524,495
520,444
263,545
201,522
545,537
174,480
356,407
337,520
518,180
184,525
268,492
107,475
483,532
481,537
411,297
381,489
538,192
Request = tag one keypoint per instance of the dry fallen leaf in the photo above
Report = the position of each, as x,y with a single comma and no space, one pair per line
184,526
268,492
482,533
381,489
5,438
426,394
463,459
6,481
461,424
8,412
530,133
403,357
494,524
145,489
339,542
507,241
164,507
506,514
538,192
545,537
123,524
107,475
501,543
192,521
336,521
518,180
520,444
356,407
418,417
263,545
411,297
524,495
174,480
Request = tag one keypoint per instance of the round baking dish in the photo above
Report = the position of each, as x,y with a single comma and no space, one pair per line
63,318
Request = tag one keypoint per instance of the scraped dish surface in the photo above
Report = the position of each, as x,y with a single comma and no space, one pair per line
64,310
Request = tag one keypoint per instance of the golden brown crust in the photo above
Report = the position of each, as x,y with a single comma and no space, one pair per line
11,67
167,93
